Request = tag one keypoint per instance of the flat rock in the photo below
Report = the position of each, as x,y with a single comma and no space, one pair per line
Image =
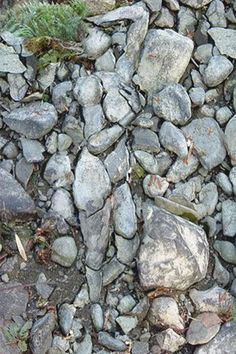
208,141
124,212
181,169
9,61
41,334
127,323
164,59
230,132
94,120
196,4
169,256
18,86
34,120
223,342
101,141
111,343
13,300
225,40
32,150
92,184
126,249
15,203
229,218
173,104
146,140
173,139
58,171
169,341
115,106
226,250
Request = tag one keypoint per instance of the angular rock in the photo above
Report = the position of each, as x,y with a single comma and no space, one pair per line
181,169
127,323
232,177
155,185
230,132
41,334
172,139
221,274
173,104
225,40
34,120
15,203
169,341
196,4
61,96
111,271
62,204
101,141
92,184
229,218
94,280
208,141
86,346
126,249
66,314
88,91
58,171
18,86
216,14
117,162
32,150
71,126
9,61
115,106
164,59
24,171
64,251
217,70
13,300
94,120
163,263
125,220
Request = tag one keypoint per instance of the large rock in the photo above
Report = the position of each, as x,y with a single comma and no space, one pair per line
13,300
174,253
164,59
92,184
34,120
225,40
208,141
15,203
41,334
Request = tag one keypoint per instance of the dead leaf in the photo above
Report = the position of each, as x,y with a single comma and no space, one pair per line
20,247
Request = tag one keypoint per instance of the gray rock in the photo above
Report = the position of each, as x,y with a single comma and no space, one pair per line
41,334
112,270
169,341
203,328
9,61
96,231
174,52
165,19
230,131
62,204
197,96
223,342
223,115
106,62
66,314
72,127
13,301
61,96
10,150
92,184
125,220
216,14
82,298
221,274
64,251
181,169
226,250
196,4
217,70
15,203
64,141
229,218
225,40
94,280
172,5
127,323
233,288
147,161
18,86
146,140
203,53
86,346
155,186
101,141
186,21
32,150
97,43
164,312
24,171
126,304
97,317
184,266
154,5
224,183
173,139
58,171
88,91
47,75
126,249
51,143
115,106
94,120
34,120
117,162
208,198
100,6
140,347
208,141
210,300
42,287
111,343
232,177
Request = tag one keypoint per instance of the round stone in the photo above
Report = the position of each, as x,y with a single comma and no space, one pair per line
64,251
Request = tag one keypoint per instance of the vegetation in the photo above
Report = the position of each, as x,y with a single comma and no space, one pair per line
50,29
16,334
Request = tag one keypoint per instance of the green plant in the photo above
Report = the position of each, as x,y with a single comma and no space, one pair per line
16,334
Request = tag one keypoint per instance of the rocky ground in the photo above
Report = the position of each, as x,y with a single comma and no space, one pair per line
118,185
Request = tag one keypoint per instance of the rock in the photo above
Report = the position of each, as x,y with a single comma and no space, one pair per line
154,5
41,334
221,274
62,204
82,298
216,14
169,341
88,91
208,198
197,96
181,169
72,128
233,288
127,323
230,131
101,141
223,342
96,232
111,343
226,250
223,115
126,304
140,347
210,300
97,43
94,280
232,177
112,270
208,141
155,185
86,346
203,53
66,314
165,19
61,96
92,184
125,220
126,249
172,139
64,141
146,140
47,75
196,4
225,40
217,70
13,300
164,312
97,317
203,328
106,62
34,120
186,264
115,106
164,59
9,61
117,162
32,150
64,251
43,289
15,203
58,171
18,86
224,183
94,120
229,218
173,104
